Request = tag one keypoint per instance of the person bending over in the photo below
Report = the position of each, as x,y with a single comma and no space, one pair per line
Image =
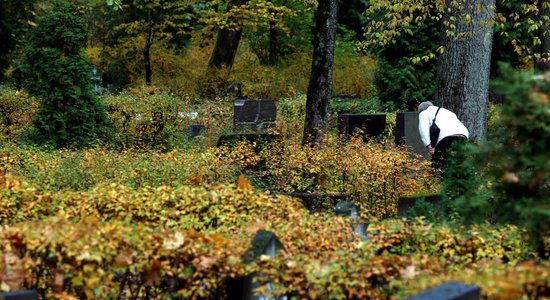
451,131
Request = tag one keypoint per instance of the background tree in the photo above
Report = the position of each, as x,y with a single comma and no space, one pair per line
401,83
464,66
15,19
157,20
542,57
54,71
289,34
230,19
320,81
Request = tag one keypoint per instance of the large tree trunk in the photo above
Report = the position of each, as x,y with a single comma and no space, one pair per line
464,66
320,82
147,48
543,65
227,43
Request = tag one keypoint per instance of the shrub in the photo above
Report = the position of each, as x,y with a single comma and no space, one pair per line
55,72
517,159
374,175
16,112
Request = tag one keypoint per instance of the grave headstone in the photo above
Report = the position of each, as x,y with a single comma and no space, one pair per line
404,204
450,291
254,115
264,243
20,295
406,133
195,130
370,125
351,210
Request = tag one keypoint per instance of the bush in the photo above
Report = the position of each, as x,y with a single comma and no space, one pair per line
516,161
16,113
55,72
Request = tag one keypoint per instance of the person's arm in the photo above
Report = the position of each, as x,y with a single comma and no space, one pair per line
424,127
424,130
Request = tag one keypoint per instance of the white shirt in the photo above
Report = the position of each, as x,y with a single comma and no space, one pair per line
446,120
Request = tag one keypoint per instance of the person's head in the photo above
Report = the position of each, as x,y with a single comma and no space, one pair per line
424,105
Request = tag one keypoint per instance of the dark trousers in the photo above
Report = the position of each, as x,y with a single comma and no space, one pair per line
441,155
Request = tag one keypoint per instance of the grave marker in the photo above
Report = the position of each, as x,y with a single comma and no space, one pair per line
264,243
404,204
370,125
406,133
20,295
450,291
351,210
254,115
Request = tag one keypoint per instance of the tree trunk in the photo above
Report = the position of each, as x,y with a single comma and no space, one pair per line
464,66
320,81
227,43
543,65
273,46
147,49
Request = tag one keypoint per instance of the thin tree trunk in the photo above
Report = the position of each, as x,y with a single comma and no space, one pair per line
227,43
273,46
147,49
464,66
543,65
320,82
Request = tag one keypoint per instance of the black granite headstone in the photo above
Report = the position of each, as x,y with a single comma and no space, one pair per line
369,125
254,115
195,130
404,204
450,291
20,295
406,133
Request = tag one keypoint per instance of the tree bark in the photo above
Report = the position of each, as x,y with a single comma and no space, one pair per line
464,66
320,81
227,43
543,65
147,49
273,45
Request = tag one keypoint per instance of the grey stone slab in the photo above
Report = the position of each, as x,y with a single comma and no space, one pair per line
450,291
20,295
254,115
406,133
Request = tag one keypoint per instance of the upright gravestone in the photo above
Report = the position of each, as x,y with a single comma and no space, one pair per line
254,115
369,125
406,133
20,295
195,130
264,243
351,210
450,291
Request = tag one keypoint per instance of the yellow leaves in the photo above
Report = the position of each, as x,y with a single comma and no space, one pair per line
243,184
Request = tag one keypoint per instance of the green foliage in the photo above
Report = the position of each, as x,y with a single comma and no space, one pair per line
401,82
295,37
517,22
55,72
517,160
154,120
15,18
464,186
